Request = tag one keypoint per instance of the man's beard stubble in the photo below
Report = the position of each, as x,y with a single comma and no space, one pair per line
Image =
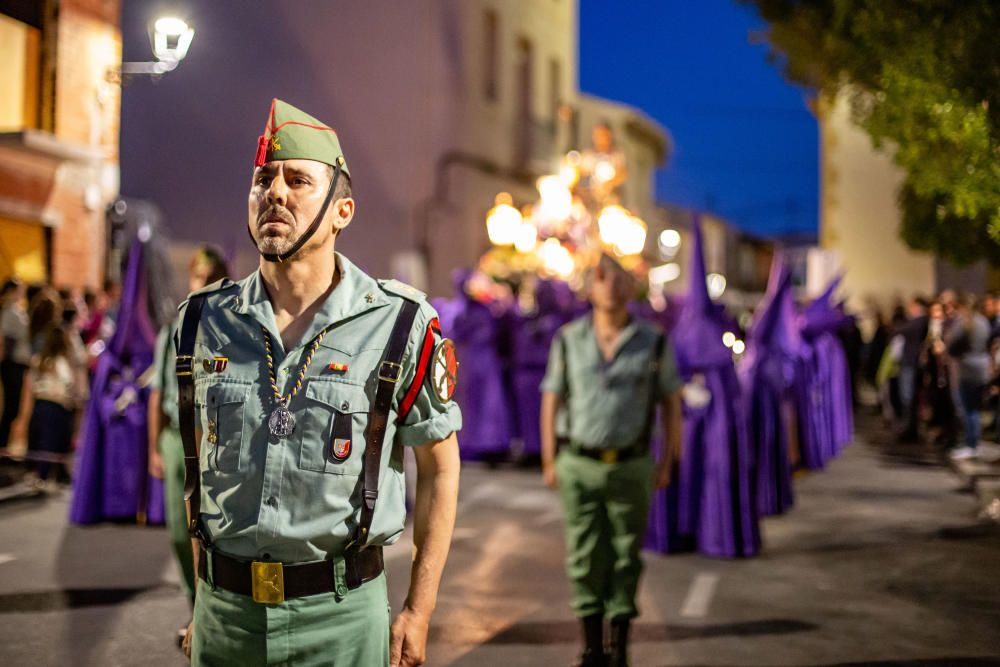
275,243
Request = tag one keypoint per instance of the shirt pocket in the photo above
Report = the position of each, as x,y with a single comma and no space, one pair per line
223,423
333,428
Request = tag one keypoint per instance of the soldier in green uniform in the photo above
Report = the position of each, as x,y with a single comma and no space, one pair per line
308,379
606,375
166,454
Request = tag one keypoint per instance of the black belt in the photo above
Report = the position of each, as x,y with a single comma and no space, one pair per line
609,454
273,583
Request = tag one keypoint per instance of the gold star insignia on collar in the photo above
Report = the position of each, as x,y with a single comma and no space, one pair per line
369,298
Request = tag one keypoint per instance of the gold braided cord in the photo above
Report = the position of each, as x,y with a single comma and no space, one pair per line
303,367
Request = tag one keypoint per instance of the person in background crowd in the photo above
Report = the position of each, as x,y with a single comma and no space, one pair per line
878,340
913,333
57,389
16,353
102,310
966,343
45,310
853,344
166,451
938,407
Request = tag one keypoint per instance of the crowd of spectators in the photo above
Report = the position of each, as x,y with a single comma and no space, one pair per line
936,366
49,340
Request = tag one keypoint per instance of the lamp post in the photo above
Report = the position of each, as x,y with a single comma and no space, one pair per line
170,38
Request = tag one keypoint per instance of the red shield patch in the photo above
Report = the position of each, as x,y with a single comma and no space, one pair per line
341,449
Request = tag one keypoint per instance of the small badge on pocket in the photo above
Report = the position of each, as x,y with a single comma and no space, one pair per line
340,441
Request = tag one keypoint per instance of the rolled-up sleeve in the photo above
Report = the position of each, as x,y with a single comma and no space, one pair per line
423,416
555,371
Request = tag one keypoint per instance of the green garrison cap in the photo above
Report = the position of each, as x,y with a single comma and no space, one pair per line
291,134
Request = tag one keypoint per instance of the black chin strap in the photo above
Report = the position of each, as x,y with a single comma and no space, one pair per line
281,257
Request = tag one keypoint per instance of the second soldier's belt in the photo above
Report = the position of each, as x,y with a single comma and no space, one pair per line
610,454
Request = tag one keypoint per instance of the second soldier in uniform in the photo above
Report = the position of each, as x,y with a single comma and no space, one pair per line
607,374
299,374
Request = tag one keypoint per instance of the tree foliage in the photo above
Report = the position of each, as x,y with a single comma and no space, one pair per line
923,79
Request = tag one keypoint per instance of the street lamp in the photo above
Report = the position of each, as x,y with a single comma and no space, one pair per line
170,38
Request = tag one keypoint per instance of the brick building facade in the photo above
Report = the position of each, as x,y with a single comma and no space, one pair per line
59,129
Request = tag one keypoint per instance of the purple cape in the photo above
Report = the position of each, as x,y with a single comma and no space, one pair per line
530,340
480,391
112,480
711,503
768,375
825,403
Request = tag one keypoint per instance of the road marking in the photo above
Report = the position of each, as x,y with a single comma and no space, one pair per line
699,596
6,558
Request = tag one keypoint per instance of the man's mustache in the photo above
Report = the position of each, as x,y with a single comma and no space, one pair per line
275,212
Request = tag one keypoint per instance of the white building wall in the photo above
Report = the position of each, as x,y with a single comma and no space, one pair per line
859,217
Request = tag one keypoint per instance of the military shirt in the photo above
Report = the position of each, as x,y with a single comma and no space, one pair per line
164,377
606,404
291,499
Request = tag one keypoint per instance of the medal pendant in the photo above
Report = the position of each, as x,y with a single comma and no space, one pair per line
281,423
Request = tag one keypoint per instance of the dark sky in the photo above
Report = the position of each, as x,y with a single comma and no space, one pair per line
745,143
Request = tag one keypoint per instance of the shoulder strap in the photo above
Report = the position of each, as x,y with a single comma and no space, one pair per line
185,406
565,382
654,371
389,374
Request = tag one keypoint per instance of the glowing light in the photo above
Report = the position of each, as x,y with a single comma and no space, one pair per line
670,238
171,26
556,199
171,39
527,237
728,339
622,231
503,224
569,174
716,284
739,347
556,259
669,242
663,274
611,219
604,171
633,237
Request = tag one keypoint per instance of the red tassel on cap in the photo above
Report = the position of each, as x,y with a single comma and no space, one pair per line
261,152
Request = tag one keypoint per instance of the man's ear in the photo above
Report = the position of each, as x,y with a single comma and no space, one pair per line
342,212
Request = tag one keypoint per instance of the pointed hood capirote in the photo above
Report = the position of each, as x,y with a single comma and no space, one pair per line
292,134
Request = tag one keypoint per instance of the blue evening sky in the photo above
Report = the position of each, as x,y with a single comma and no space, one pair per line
745,144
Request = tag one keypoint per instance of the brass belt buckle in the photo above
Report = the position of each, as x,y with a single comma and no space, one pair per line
609,455
268,580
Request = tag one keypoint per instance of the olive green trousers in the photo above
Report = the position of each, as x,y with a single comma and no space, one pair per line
328,629
606,506
172,451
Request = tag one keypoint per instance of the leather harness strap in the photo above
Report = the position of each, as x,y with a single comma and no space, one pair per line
389,374
185,406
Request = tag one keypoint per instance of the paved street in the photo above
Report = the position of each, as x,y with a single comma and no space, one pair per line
882,561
